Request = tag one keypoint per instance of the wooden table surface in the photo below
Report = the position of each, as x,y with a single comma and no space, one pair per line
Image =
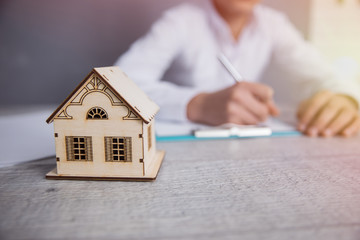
268,188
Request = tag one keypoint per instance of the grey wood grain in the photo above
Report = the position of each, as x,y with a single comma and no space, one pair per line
270,188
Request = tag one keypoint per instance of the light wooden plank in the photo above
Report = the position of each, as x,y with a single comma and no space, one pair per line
279,188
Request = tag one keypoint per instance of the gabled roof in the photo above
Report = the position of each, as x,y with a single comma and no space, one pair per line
124,88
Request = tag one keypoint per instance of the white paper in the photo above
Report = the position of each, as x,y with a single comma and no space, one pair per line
229,130
166,128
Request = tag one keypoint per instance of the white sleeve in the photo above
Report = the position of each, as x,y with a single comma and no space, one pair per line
148,59
301,60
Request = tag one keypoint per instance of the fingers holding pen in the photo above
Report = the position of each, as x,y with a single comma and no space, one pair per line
238,114
242,103
257,99
265,95
273,109
263,92
248,101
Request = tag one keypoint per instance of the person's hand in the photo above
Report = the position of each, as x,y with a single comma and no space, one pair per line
243,103
328,114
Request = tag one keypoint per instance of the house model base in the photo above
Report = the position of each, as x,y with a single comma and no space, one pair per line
149,176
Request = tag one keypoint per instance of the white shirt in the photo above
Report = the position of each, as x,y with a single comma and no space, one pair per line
177,58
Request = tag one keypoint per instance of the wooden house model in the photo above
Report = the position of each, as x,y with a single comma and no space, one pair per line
105,130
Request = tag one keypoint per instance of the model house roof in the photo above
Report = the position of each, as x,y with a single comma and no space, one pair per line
124,88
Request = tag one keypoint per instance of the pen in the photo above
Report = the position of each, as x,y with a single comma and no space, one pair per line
230,68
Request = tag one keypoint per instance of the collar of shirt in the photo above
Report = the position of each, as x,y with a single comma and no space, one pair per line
222,31
237,51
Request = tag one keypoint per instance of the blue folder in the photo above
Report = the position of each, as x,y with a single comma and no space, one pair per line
179,138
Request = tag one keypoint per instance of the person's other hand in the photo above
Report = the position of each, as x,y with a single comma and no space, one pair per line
328,114
243,103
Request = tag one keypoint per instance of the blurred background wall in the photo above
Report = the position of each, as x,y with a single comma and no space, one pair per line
335,30
48,46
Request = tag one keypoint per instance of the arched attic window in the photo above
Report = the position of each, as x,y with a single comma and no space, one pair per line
96,113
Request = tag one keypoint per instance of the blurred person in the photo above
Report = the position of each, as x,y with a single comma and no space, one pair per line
176,64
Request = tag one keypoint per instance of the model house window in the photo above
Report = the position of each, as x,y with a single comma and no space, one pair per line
96,113
149,137
78,148
118,149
